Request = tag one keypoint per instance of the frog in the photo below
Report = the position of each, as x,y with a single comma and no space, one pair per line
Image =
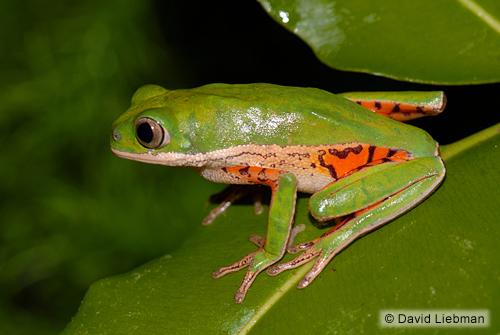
362,166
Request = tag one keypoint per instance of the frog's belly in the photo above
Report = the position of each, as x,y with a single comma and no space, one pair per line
309,182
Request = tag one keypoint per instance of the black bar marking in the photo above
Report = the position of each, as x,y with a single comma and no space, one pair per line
396,108
329,167
244,171
261,176
344,153
371,152
392,152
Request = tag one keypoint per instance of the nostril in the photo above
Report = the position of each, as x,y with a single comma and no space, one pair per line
117,136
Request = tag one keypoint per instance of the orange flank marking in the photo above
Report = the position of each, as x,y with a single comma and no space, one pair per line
400,156
344,159
382,108
380,153
398,111
256,175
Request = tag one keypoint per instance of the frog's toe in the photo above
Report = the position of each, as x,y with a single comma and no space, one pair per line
250,275
293,234
257,194
242,263
257,240
303,258
317,268
239,297
229,195
215,213
245,285
294,249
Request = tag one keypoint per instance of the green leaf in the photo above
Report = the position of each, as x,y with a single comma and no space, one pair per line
422,41
437,256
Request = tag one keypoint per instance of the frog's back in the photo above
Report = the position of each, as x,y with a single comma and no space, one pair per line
265,114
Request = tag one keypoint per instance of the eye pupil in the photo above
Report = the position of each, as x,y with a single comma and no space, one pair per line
145,132
151,134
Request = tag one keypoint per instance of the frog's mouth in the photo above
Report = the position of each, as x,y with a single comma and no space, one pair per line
163,158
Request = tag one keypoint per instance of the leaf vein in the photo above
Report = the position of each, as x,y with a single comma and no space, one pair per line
482,14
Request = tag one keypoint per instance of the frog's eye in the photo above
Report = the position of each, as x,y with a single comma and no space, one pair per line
151,134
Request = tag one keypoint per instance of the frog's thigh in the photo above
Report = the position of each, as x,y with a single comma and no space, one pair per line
370,186
401,106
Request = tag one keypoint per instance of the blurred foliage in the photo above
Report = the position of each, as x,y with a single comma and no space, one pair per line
69,213
72,213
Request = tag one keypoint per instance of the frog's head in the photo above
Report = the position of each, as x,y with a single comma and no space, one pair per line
147,128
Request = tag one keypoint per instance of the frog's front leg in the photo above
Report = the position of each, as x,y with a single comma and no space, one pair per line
281,212
366,199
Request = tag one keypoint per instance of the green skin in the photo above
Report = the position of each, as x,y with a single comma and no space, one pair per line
223,117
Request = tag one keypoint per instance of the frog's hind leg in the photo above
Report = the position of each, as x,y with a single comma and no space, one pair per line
400,106
359,219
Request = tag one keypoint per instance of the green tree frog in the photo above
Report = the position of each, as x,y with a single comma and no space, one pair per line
361,166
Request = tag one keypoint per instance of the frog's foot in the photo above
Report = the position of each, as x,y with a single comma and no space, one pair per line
265,258
231,194
256,261
303,258
311,253
312,250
